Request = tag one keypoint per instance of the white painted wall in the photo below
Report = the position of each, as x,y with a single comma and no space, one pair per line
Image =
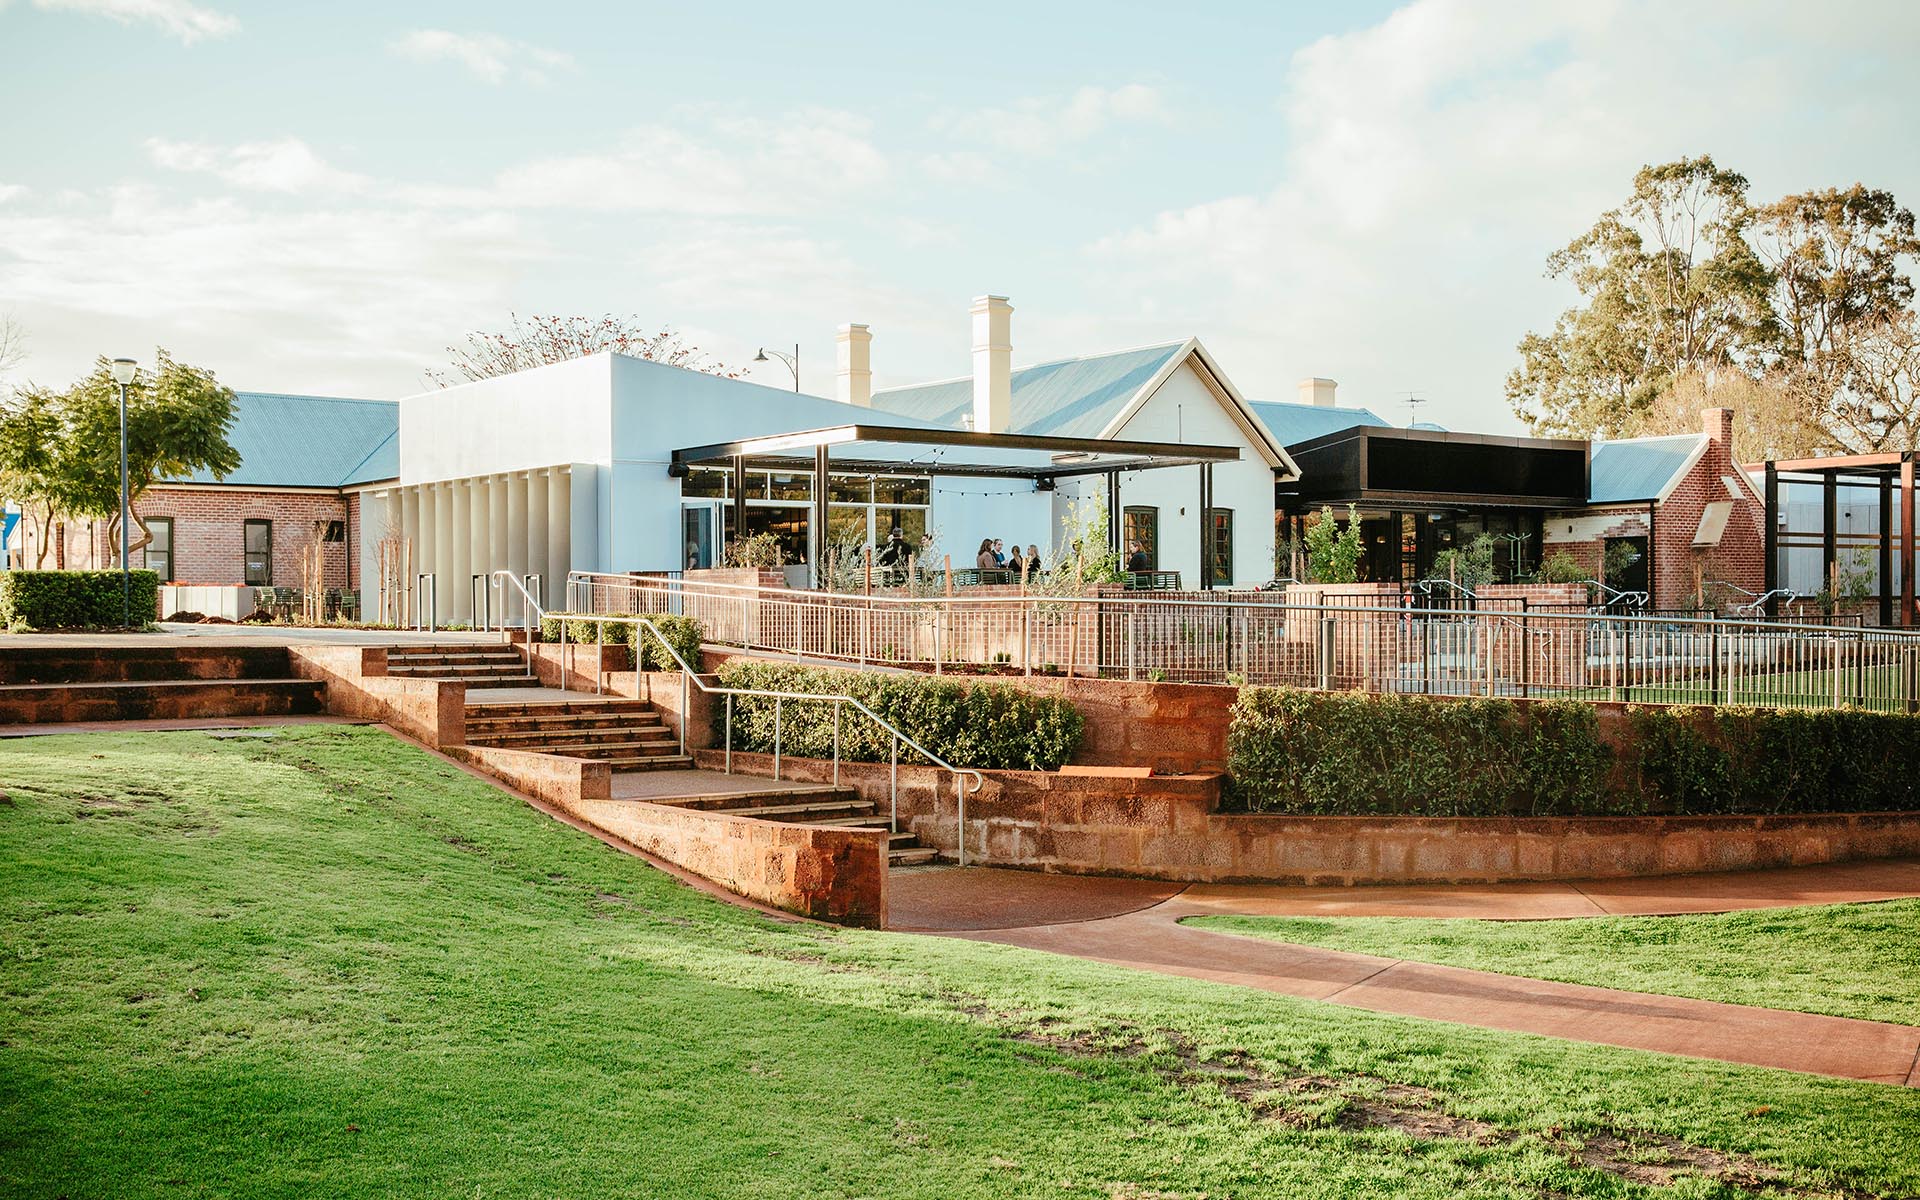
966,509
1184,409
532,419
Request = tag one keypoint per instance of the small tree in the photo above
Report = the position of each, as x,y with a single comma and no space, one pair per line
1084,557
64,447
1472,567
1333,553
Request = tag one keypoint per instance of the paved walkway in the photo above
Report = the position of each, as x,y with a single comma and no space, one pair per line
1120,922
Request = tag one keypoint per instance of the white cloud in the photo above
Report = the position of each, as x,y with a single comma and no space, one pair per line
1432,162
355,299
725,165
181,18
488,56
1039,125
285,165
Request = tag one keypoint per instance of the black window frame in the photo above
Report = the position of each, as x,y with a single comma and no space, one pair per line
1219,555
1150,544
147,553
247,552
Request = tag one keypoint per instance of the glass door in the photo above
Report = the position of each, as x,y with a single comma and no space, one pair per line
700,538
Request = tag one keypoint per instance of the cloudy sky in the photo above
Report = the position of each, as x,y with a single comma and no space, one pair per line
321,197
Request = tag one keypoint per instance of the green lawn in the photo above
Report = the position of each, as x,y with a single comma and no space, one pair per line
326,964
1845,960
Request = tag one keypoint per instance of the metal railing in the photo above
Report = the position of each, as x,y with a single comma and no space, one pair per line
690,678
1404,648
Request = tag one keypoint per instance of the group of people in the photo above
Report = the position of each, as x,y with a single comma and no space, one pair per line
993,556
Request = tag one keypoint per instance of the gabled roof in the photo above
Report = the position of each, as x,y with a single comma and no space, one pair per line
1641,468
1292,424
310,441
1071,397
1090,397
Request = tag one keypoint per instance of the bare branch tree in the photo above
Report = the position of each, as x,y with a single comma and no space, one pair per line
539,340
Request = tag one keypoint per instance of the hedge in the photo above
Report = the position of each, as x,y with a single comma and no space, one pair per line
1352,753
685,633
990,726
74,599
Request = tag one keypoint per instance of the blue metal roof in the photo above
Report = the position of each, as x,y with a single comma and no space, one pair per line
1638,468
310,441
1292,424
1074,397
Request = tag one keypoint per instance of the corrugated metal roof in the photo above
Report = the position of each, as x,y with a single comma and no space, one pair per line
1074,397
310,441
1292,424
1638,468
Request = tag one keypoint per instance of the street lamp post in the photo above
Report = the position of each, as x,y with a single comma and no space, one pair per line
123,369
793,363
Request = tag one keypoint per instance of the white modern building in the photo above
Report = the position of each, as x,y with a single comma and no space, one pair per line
611,463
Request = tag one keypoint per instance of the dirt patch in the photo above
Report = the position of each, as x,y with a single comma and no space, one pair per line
1365,1102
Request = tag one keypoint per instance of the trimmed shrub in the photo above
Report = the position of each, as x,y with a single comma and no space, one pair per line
1348,752
1354,753
990,726
74,599
684,633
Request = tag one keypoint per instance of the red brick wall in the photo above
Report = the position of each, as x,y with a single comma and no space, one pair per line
209,535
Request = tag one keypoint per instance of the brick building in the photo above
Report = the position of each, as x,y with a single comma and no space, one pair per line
303,462
1689,515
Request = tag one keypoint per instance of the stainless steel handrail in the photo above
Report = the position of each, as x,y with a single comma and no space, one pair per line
838,700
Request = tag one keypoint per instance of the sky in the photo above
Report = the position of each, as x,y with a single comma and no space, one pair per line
322,198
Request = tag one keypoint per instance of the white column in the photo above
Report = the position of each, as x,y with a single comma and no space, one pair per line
496,523
475,500
447,587
426,547
559,535
537,556
409,545
460,549
516,485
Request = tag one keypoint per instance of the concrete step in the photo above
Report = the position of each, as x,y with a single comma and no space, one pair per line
492,681
663,762
618,750
917,856
810,812
509,710
589,735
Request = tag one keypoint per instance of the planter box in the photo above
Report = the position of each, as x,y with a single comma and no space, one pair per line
231,601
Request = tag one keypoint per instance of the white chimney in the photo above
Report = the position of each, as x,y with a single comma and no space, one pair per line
855,347
1317,392
992,364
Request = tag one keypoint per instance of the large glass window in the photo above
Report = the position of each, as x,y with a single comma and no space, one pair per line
1142,530
710,483
257,548
159,551
1220,543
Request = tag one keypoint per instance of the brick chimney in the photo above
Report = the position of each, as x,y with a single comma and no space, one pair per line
1317,392
992,364
1717,424
854,346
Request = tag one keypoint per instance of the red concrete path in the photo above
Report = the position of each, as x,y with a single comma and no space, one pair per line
1151,938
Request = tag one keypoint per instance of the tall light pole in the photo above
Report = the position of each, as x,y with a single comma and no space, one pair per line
123,369
793,363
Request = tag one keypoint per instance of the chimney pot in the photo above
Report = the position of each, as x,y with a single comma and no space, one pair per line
992,364
854,347
1317,392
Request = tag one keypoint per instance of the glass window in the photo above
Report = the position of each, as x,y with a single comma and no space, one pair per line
849,489
258,553
1143,530
917,490
159,552
1220,543
790,485
708,482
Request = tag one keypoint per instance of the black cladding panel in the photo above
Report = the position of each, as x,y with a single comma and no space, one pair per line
1470,468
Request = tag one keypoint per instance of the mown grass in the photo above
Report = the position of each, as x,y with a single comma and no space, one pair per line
1845,960
326,964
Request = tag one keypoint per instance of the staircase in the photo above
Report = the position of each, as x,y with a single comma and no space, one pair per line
57,683
813,804
473,665
626,734
629,736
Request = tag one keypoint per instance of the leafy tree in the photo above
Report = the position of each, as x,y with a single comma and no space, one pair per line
64,447
1333,553
1667,283
1771,418
539,340
1472,566
29,467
